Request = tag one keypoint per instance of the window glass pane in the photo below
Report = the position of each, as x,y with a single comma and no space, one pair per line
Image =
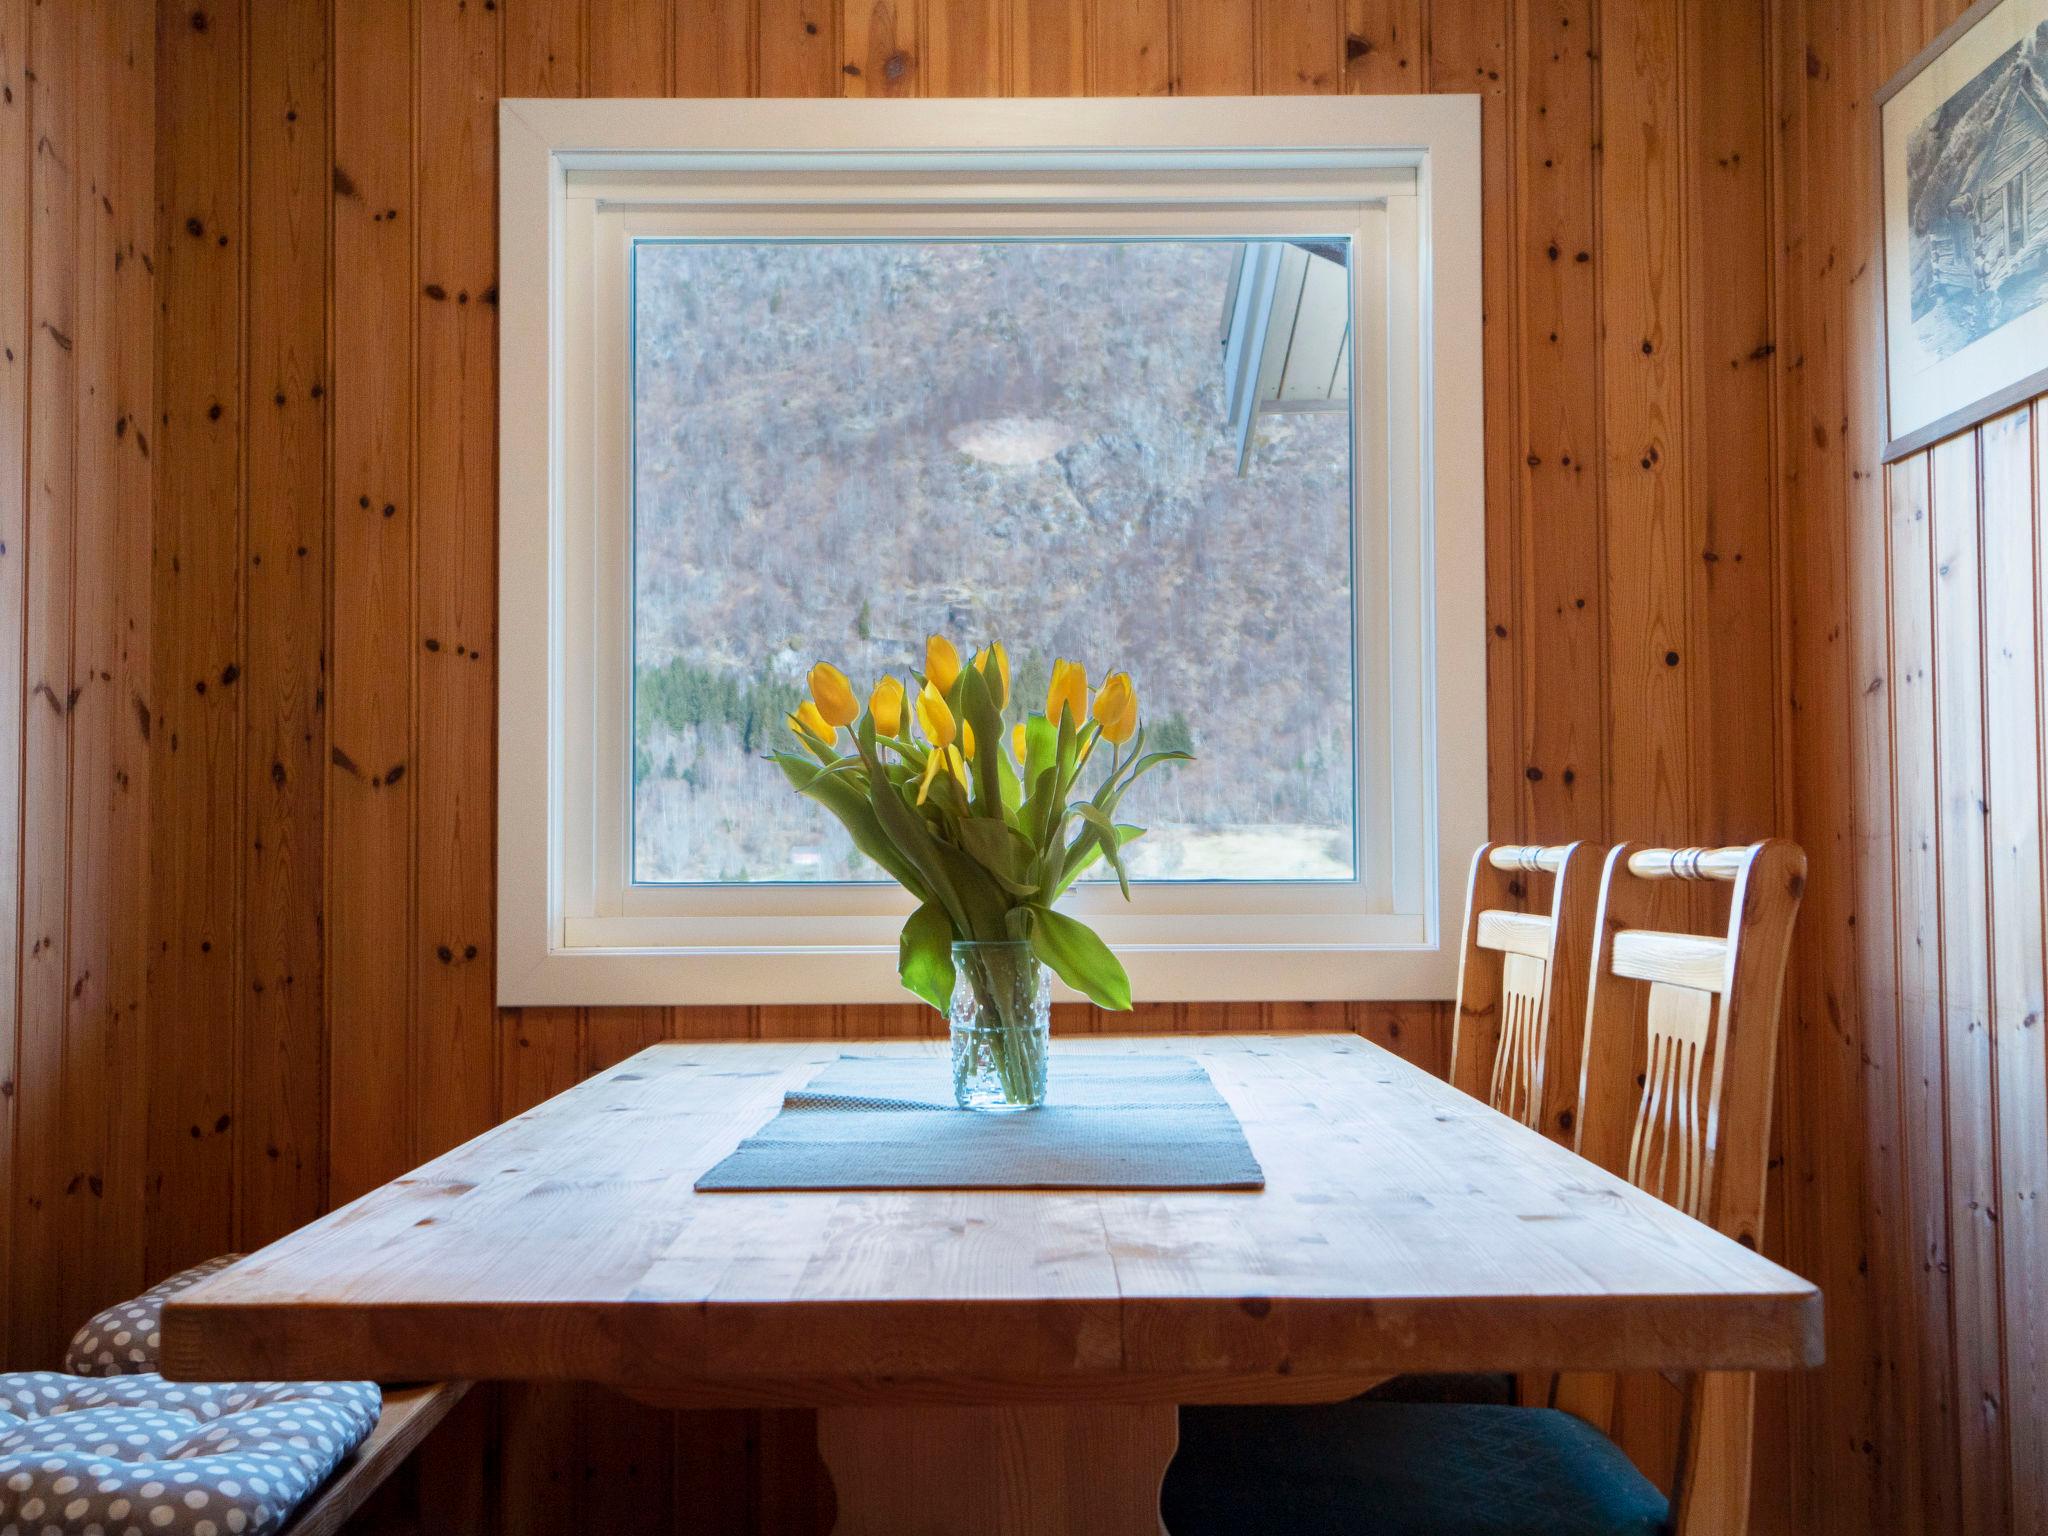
1133,453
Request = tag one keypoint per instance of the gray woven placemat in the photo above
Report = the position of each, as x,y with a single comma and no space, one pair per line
889,1122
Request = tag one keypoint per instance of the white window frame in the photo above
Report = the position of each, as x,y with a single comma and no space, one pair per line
581,179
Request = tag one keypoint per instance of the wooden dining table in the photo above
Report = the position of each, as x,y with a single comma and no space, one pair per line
998,1361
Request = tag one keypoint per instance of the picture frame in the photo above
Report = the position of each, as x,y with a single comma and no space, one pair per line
1963,150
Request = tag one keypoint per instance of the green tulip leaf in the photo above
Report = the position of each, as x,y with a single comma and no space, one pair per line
843,796
906,830
1107,840
982,900
1001,850
1080,959
925,955
1086,851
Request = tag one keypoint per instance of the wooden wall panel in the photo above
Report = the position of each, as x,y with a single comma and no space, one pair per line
282,1089
105,1046
1699,625
15,360
195,863
1916,626
370,874
45,1219
454,649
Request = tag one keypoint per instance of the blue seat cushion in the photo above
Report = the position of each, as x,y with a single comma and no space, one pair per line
1367,1468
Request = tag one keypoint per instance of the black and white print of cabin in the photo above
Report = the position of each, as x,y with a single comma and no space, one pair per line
1984,203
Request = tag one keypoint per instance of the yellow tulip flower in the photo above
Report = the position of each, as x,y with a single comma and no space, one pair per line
807,718
967,740
1068,693
947,758
941,662
934,718
886,705
1116,708
834,694
999,679
1020,743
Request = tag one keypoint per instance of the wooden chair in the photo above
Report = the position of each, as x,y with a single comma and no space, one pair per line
1678,1061
1676,1092
1515,1041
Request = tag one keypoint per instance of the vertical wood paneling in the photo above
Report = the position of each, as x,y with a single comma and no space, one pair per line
632,52
1838,1039
799,48
1048,50
1714,499
282,1106
1957,1025
2004,1449
965,48
455,646
1216,46
104,1041
714,49
370,700
1730,547
45,1206
130,167
1557,771
881,48
1641,260
195,863
14,470
2023,1143
1130,48
1383,46
1921,1070
1300,47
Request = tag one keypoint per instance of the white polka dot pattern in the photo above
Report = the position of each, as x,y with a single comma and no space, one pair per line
137,1453
124,1340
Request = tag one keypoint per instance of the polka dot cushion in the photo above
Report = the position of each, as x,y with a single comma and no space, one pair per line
135,1455
124,1338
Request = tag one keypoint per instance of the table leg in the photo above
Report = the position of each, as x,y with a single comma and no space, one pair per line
1084,1470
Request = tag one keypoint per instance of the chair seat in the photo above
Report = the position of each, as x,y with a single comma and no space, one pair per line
1367,1468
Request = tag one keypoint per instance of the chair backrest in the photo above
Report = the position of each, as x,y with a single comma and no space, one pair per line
1679,1064
1522,983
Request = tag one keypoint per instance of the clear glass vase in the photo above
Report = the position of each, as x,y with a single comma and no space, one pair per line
1001,1026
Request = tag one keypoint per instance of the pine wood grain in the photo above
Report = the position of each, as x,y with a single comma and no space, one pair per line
371,877
1556,77
15,467
1922,1102
282,1106
1958,1021
195,856
1556,774
454,644
105,1041
569,1244
47,1210
2006,1444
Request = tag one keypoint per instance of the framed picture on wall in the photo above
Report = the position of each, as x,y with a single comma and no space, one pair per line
1963,135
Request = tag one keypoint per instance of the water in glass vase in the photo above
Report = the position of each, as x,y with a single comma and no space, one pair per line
1001,1018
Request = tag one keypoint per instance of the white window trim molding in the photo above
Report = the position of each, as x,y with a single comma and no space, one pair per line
565,935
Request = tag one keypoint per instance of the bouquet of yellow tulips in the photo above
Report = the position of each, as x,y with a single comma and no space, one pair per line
982,823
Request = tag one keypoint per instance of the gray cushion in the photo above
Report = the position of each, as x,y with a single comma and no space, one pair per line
136,1453
113,1448
1403,1469
124,1339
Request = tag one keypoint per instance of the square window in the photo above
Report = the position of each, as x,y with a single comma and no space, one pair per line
1184,388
